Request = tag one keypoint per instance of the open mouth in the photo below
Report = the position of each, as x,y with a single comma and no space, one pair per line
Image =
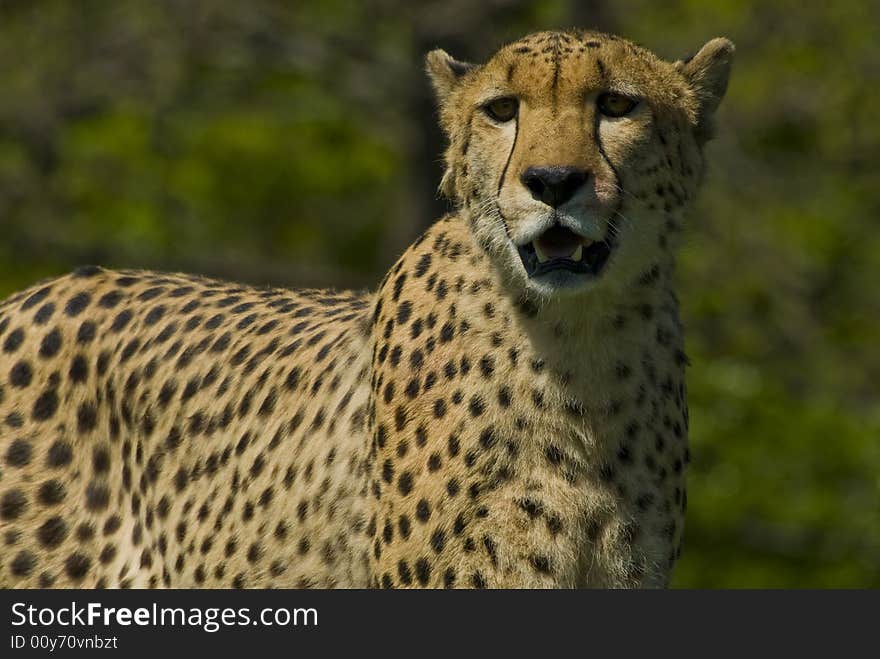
559,248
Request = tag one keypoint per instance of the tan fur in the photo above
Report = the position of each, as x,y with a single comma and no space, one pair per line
463,426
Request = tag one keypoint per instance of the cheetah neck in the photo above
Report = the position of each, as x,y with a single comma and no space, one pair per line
590,396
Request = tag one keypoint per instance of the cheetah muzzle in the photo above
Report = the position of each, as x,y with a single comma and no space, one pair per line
507,410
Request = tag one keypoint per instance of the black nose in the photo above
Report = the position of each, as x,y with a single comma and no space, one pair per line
554,185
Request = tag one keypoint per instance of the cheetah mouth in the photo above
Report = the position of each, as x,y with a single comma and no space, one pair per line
559,248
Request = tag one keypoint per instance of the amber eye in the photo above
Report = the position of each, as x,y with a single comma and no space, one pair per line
615,105
502,109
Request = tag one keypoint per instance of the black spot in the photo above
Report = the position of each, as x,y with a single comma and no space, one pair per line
405,483
478,580
79,369
44,313
23,564
491,549
52,532
416,359
97,497
504,396
423,571
77,566
107,554
19,453
541,564
388,471
213,322
155,315
77,304
412,388
45,405
121,320
422,266
110,300
13,340
51,493
453,487
423,510
487,438
405,527
255,552
13,504
20,375
538,398
404,573
438,540
151,293
219,345
389,392
101,460
86,332
292,379
447,332
398,287
85,271
59,455
86,417
554,454
533,508
36,298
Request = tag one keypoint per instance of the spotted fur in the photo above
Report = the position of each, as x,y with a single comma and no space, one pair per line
459,427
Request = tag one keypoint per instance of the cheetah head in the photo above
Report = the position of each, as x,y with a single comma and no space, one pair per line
575,153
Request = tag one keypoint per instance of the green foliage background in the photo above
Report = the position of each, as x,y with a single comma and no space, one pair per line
294,143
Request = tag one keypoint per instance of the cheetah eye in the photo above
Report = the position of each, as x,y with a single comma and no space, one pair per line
502,109
615,105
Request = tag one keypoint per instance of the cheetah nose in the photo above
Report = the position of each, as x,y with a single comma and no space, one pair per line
554,185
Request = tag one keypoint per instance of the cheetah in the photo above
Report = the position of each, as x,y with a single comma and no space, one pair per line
507,410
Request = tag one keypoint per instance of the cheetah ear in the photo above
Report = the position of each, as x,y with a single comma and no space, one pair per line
707,73
445,72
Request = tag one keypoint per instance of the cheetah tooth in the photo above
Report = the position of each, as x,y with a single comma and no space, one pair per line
542,257
577,254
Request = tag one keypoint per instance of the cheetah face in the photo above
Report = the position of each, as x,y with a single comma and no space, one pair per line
573,153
